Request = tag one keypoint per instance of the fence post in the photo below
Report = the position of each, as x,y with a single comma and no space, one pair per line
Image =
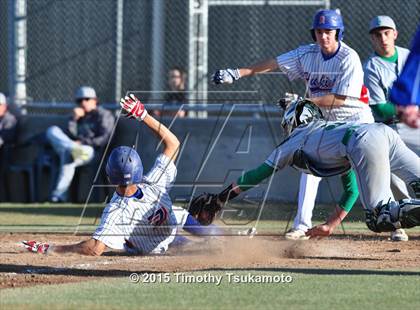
17,51
158,39
119,49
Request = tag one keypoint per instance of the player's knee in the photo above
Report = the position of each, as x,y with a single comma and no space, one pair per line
90,153
53,131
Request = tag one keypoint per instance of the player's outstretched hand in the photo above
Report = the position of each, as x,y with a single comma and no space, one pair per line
227,76
133,106
322,230
36,247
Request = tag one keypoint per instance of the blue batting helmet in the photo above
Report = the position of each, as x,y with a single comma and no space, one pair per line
328,19
124,166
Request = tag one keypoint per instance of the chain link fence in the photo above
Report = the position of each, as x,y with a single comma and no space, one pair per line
76,42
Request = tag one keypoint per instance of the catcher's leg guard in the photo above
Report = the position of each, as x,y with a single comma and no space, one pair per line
415,185
409,213
393,215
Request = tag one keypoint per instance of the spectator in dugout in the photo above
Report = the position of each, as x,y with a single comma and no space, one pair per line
88,130
177,78
8,124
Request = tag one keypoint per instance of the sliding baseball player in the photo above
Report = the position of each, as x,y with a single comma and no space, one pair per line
139,219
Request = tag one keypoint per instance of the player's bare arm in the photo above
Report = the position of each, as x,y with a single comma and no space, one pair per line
133,106
228,76
326,229
170,141
89,247
261,67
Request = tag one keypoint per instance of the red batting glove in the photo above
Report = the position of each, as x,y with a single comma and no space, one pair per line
36,247
134,107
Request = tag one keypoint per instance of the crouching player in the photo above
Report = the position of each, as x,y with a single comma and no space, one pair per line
139,218
324,149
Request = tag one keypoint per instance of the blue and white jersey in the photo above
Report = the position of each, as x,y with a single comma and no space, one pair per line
144,223
339,74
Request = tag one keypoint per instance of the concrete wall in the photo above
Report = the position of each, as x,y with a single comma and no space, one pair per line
214,153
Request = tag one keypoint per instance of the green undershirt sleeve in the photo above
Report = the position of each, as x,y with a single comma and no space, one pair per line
351,192
254,177
384,110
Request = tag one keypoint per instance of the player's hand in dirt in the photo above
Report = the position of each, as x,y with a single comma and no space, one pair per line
227,76
322,230
133,106
36,247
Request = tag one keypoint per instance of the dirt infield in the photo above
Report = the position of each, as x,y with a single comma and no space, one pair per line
356,252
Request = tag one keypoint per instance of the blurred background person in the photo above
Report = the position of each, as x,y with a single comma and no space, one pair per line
176,95
406,90
88,130
381,70
8,124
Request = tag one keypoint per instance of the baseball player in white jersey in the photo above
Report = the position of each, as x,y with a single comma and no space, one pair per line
381,70
329,148
334,78
140,218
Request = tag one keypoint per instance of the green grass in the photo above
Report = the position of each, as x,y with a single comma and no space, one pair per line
68,218
310,289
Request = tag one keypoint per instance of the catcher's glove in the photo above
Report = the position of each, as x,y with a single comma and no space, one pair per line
204,208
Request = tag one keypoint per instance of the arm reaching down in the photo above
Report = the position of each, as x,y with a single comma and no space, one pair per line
348,198
326,229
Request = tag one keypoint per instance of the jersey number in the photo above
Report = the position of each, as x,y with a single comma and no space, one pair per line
159,217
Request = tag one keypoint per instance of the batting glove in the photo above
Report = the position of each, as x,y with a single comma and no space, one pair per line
227,76
134,107
36,247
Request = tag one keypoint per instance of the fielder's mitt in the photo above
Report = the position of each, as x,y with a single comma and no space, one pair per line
204,208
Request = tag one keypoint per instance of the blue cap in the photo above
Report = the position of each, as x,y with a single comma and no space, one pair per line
3,99
381,21
85,92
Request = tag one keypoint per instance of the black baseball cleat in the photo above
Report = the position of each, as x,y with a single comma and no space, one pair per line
410,213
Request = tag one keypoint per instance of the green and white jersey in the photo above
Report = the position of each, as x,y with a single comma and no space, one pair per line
323,145
381,73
